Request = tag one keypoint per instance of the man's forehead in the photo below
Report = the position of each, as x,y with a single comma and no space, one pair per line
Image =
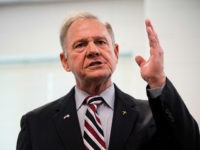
82,24
87,27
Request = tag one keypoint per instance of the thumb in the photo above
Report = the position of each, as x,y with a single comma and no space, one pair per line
140,60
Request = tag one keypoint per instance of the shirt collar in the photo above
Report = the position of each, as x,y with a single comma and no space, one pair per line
108,95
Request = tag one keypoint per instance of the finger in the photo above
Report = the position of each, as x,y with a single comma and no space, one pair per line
154,43
149,24
152,35
140,60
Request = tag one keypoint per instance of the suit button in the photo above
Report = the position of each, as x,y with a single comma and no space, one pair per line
169,115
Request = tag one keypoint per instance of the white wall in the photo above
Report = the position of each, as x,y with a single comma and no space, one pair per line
177,23
30,72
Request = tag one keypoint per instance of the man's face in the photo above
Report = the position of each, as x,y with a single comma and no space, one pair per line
91,54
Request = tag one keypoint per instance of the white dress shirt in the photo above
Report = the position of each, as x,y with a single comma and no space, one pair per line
105,111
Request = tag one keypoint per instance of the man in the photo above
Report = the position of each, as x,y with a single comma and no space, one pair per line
91,54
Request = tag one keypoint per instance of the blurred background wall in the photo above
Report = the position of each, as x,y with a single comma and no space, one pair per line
31,74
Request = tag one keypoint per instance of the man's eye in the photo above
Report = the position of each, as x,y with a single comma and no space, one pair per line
79,45
100,42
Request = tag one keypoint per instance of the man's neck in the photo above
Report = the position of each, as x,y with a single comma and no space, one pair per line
93,88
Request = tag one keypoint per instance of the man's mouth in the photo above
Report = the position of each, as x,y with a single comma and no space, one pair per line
96,63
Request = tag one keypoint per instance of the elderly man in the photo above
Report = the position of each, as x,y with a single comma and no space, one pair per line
96,114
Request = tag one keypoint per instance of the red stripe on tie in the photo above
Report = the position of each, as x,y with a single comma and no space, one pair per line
93,133
96,136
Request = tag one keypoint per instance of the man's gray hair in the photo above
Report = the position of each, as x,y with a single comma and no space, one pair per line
81,15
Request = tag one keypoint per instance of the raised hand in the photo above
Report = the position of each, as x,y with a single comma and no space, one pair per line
152,70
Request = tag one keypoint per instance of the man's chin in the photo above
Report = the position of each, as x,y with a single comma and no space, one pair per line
96,76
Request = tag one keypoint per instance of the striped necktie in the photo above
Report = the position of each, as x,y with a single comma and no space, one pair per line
93,134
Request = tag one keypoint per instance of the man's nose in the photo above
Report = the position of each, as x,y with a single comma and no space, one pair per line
92,50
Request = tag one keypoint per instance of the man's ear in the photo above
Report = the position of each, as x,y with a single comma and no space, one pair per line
64,62
116,49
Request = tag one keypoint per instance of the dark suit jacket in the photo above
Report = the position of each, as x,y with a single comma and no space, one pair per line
160,124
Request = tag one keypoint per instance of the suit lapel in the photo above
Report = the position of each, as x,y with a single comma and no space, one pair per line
67,124
124,119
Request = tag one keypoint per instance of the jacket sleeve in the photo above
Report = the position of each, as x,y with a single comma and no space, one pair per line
24,142
176,127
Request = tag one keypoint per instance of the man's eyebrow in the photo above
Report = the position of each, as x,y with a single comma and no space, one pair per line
81,40
99,37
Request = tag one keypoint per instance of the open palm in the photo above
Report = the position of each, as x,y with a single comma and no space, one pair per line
152,70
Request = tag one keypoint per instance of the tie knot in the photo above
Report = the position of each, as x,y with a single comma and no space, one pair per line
94,100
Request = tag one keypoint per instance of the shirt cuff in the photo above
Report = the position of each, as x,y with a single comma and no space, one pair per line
155,92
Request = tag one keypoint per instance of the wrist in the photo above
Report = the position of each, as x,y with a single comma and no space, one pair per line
157,82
